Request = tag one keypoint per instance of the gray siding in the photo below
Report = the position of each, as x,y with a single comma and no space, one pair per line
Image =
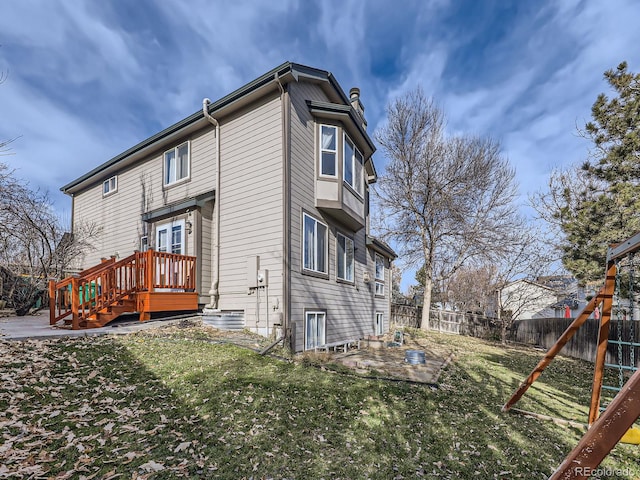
140,189
350,308
251,202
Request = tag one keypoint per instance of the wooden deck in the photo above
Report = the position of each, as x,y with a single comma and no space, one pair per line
145,282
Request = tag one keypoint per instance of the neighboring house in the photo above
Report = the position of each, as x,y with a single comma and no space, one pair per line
525,300
268,188
568,292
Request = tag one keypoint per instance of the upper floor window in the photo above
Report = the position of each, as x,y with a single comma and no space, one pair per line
353,166
345,258
314,245
176,164
379,274
110,186
328,151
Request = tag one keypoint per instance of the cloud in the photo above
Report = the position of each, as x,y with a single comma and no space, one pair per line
87,80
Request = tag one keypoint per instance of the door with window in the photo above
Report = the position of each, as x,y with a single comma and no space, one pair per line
169,239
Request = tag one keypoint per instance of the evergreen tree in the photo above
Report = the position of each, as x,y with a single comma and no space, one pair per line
599,204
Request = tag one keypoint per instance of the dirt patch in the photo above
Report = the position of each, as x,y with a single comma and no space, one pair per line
386,360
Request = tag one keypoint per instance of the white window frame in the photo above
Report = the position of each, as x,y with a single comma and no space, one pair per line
328,150
316,251
170,169
144,243
355,163
348,271
313,341
169,228
378,323
379,275
110,186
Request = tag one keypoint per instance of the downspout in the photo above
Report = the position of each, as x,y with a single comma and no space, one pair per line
286,253
215,281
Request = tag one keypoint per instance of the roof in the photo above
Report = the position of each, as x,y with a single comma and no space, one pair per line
286,72
381,247
534,284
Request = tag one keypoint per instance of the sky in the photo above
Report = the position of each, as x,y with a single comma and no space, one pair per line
86,80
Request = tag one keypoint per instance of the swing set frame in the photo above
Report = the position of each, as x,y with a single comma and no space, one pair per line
606,429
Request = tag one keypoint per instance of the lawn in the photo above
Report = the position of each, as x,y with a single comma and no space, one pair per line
184,405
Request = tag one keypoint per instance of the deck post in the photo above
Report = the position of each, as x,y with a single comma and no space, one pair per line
52,301
75,303
603,341
149,271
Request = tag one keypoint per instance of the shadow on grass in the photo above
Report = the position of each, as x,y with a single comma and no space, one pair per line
192,409
273,419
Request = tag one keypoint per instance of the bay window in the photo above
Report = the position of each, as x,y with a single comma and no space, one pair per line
328,151
353,164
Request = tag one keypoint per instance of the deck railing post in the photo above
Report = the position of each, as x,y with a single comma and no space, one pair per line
52,301
75,303
149,271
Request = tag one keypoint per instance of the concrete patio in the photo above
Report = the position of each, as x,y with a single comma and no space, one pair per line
37,326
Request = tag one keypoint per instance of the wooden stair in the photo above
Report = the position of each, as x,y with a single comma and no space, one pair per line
144,282
104,316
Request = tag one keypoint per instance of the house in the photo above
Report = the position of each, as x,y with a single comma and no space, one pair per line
524,300
569,294
268,188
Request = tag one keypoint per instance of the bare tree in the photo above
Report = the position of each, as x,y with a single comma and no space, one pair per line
33,244
525,260
445,200
472,288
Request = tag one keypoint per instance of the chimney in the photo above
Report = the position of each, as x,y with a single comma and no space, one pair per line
354,96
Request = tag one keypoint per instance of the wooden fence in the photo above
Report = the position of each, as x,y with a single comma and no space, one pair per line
543,332
447,322
538,332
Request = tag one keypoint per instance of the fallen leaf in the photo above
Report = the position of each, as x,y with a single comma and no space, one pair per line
152,466
181,447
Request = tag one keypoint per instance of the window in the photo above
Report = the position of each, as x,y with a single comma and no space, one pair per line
110,186
170,237
176,164
176,239
144,243
353,166
379,274
328,151
315,331
379,323
314,245
345,258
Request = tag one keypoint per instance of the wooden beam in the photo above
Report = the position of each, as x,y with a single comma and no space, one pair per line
603,435
603,342
555,349
620,250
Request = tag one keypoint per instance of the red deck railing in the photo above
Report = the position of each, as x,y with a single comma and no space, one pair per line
77,298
